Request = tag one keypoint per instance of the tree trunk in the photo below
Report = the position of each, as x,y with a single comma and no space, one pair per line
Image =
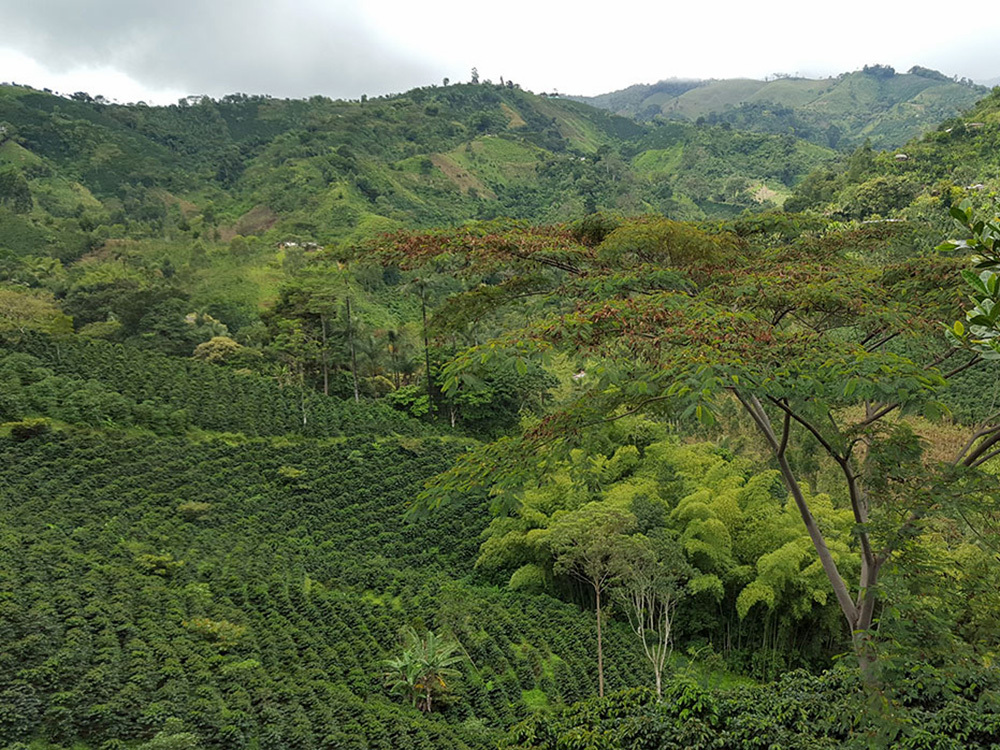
861,632
354,361
858,613
302,395
427,355
819,543
326,366
394,359
600,646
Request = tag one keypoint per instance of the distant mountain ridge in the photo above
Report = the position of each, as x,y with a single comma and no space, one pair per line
876,104
322,171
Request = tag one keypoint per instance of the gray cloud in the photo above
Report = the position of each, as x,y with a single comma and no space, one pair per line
215,46
342,48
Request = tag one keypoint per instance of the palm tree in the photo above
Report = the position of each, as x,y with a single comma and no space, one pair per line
438,660
423,287
371,350
403,355
403,676
421,670
396,346
350,329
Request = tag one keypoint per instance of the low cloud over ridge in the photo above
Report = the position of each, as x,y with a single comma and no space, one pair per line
215,48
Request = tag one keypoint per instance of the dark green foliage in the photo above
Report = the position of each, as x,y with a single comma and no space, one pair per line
593,228
920,180
123,385
20,236
925,708
719,167
14,191
775,118
880,195
29,428
324,168
818,188
491,399
879,71
252,592
141,306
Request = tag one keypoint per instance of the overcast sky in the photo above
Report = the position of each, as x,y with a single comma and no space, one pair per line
158,51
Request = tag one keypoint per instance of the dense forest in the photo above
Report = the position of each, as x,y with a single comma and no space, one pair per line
471,417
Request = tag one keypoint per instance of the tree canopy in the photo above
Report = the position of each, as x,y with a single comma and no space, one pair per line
813,336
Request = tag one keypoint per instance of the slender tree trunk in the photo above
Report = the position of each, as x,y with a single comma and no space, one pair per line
819,543
647,617
326,366
302,394
859,614
663,642
427,354
394,359
862,630
354,360
600,645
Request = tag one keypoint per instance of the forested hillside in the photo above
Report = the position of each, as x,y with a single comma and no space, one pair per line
876,104
918,181
323,170
473,418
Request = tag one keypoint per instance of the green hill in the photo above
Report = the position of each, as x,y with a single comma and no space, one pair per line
918,181
134,217
322,169
877,104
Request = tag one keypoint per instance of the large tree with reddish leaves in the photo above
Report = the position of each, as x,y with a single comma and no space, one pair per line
810,333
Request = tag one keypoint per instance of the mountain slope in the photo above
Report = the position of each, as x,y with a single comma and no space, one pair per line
876,104
323,171
919,181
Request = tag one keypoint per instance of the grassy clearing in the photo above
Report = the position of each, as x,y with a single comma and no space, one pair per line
714,97
777,193
14,153
578,131
461,173
659,160
498,161
514,120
